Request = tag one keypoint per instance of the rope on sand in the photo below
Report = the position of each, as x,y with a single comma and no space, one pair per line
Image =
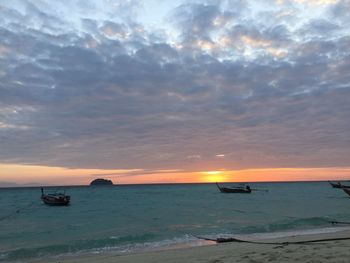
339,222
232,239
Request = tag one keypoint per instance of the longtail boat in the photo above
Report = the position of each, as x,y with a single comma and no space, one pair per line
338,185
55,198
237,190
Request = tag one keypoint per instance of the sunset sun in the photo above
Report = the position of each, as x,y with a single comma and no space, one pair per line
213,176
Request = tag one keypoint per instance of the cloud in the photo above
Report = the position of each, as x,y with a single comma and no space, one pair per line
103,91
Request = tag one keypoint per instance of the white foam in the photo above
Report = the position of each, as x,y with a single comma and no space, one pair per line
261,236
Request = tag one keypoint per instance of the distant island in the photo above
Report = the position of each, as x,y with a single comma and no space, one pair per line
101,181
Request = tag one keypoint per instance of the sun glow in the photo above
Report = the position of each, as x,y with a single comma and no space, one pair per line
44,175
213,176
212,172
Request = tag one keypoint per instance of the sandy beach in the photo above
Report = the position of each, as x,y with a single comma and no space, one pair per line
330,251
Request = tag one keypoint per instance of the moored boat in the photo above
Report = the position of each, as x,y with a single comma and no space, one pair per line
338,185
55,198
237,190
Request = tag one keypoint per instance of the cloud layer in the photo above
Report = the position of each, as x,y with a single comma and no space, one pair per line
217,85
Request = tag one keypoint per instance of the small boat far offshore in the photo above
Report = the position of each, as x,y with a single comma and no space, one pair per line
58,199
338,185
237,190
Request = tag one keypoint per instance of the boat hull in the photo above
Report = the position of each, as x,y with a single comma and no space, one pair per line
339,185
55,201
234,190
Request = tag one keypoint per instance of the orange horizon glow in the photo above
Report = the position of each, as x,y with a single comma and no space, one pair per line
45,175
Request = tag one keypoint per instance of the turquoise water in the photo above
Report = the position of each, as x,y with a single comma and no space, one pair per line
124,219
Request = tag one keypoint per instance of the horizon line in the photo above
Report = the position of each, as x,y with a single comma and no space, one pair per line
176,183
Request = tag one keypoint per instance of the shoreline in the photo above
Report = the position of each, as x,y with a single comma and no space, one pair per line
211,252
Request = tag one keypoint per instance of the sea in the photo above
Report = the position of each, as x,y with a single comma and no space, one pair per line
125,219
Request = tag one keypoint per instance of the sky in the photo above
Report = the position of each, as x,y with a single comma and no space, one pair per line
174,91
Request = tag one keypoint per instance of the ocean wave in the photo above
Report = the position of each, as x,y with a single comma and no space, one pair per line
73,247
114,244
288,224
